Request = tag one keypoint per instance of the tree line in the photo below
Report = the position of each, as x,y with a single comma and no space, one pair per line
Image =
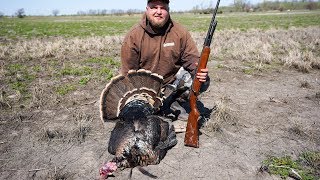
266,5
237,6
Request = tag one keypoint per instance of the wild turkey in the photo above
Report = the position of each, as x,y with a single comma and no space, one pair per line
140,137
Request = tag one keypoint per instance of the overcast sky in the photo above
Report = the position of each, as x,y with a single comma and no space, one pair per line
45,7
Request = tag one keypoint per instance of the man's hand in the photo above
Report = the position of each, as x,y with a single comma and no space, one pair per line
202,76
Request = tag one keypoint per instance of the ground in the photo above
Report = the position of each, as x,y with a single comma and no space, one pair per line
274,112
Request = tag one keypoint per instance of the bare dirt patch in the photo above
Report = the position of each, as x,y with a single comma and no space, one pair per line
273,115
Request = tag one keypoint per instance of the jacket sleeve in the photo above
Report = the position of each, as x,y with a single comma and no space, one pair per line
129,54
190,54
190,57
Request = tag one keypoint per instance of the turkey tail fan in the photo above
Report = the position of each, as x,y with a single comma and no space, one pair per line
145,79
111,95
142,84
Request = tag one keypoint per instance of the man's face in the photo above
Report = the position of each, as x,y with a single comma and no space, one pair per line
157,13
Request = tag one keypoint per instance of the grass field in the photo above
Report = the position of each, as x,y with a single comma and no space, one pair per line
84,26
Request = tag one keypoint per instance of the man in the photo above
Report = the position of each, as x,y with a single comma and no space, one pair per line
162,46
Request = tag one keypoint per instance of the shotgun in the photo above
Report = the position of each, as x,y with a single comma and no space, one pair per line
192,132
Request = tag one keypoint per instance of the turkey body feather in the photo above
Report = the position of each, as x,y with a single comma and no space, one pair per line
140,137
141,142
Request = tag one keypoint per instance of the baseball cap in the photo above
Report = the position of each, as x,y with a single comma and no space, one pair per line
165,1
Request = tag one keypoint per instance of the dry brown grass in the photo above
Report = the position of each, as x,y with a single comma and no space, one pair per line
41,60
60,48
40,98
83,126
50,134
58,174
296,47
305,84
222,114
33,68
77,130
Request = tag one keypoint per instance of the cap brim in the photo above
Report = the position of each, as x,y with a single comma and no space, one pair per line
166,1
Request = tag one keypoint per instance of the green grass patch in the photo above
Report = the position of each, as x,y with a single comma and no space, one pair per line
84,80
19,86
98,68
311,159
248,71
85,26
246,21
65,89
37,68
66,26
307,166
19,78
252,67
104,61
220,66
76,71
106,72
14,69
104,66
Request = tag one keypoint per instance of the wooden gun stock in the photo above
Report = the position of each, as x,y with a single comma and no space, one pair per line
192,132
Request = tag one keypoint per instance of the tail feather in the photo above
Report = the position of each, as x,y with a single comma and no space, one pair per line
141,84
153,82
122,83
137,78
156,83
110,94
145,79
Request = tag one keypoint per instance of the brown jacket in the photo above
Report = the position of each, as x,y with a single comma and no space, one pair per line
163,52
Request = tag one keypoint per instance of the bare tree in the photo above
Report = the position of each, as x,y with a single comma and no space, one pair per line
104,12
196,9
55,12
311,5
20,13
117,12
241,5
81,13
93,12
133,11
